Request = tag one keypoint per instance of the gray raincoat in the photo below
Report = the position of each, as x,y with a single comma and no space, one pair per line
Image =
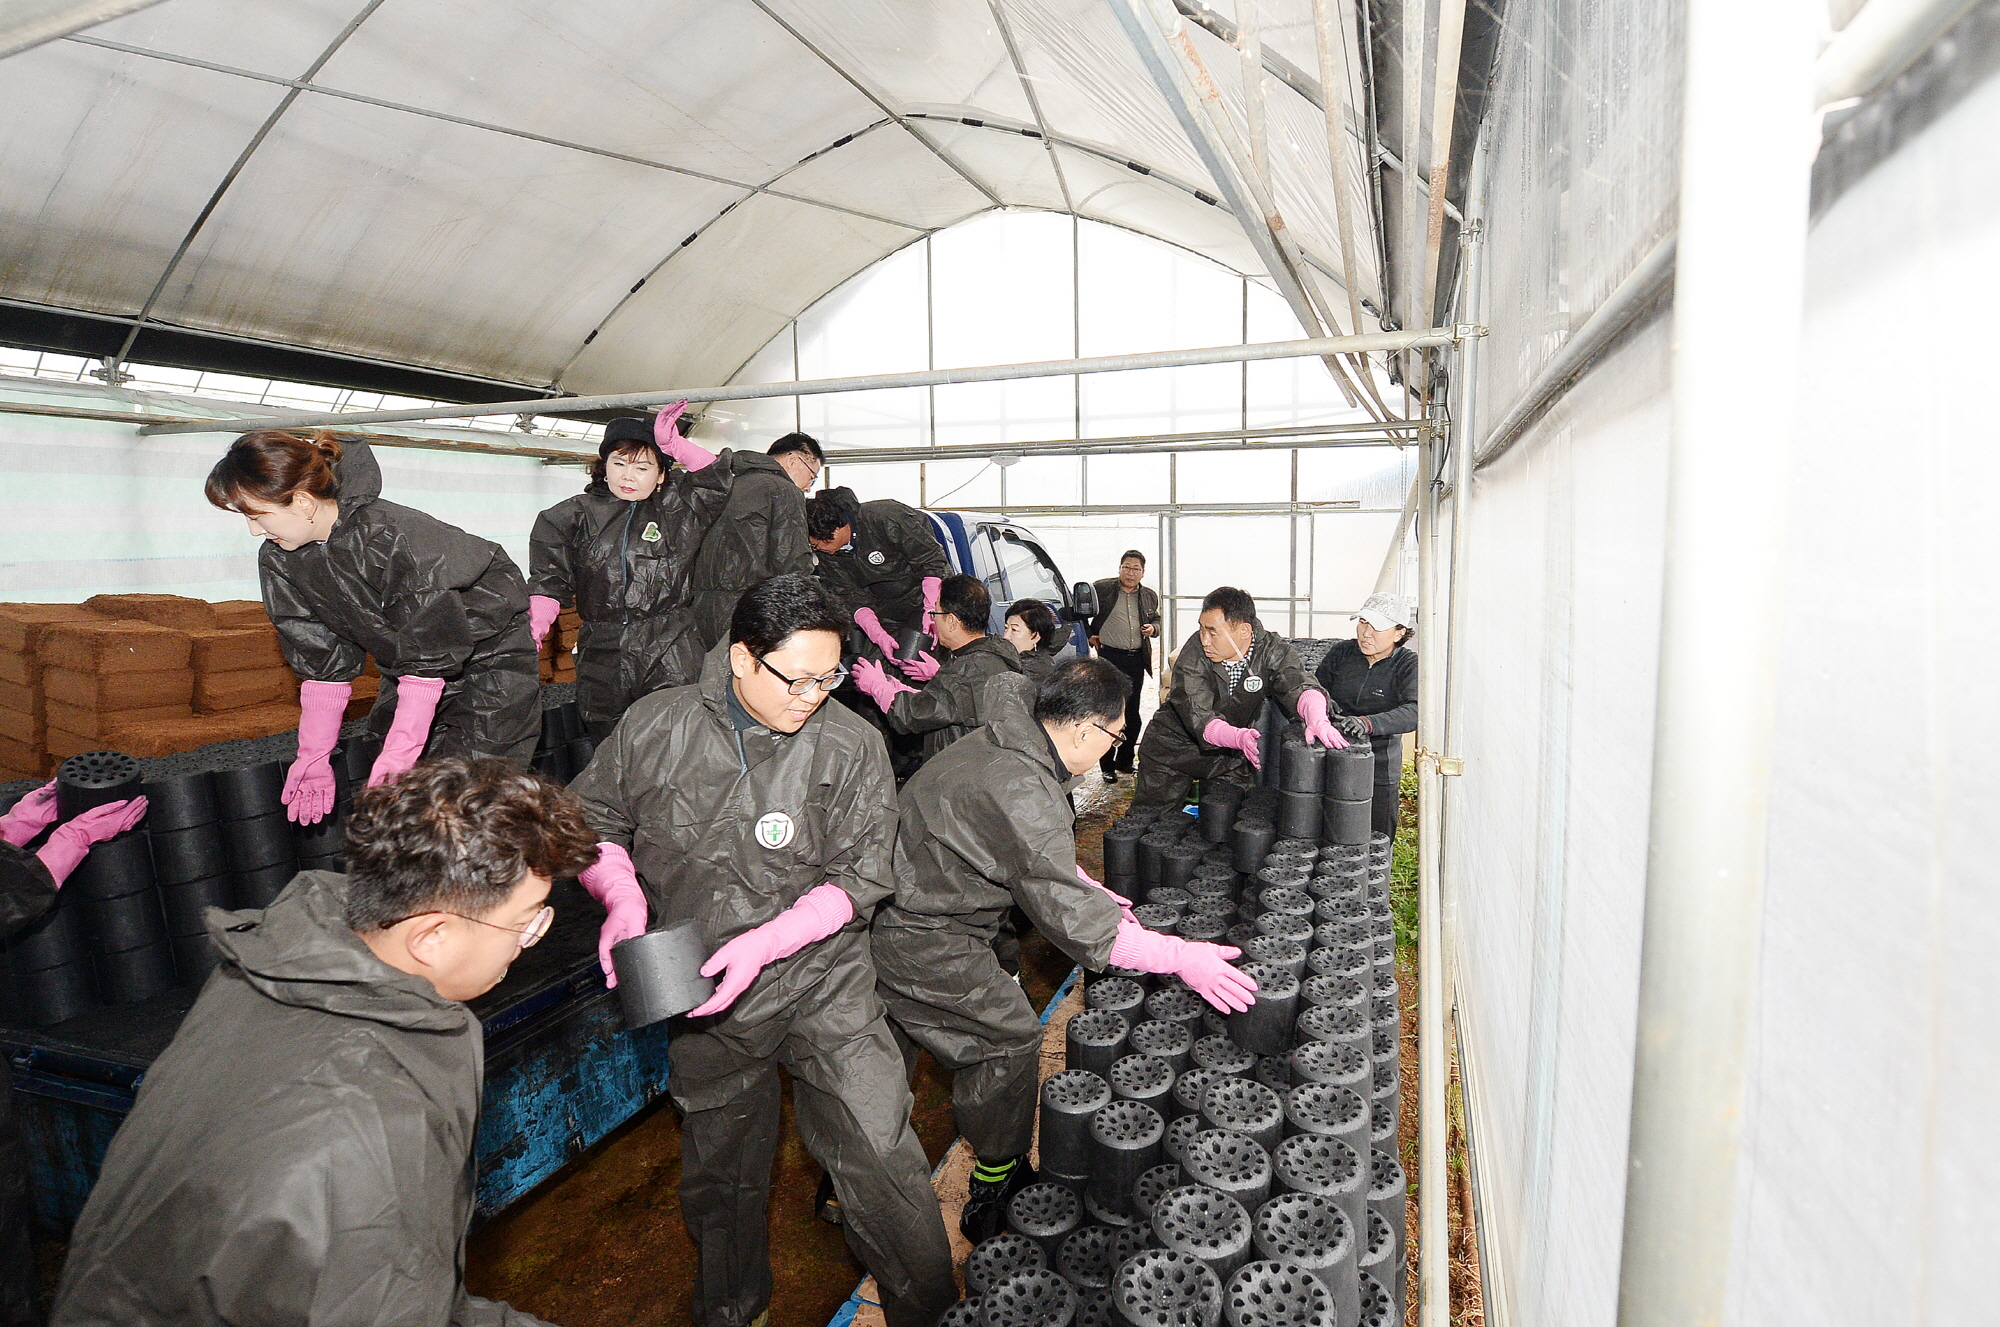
425,599
986,826
730,825
949,705
761,533
301,1154
626,566
1172,755
884,568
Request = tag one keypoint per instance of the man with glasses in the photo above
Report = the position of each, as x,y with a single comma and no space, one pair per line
749,806
301,1153
948,707
984,827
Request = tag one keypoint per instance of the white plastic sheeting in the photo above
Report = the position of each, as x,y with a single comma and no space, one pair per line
1869,1166
600,197
1037,286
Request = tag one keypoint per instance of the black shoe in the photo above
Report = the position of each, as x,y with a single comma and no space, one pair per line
985,1213
825,1205
1111,776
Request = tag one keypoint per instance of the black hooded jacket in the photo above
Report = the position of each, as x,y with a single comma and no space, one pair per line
949,706
300,1155
987,825
885,566
731,827
425,599
761,533
27,890
1202,691
626,566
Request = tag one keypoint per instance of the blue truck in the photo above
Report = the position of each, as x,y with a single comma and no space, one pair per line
562,1071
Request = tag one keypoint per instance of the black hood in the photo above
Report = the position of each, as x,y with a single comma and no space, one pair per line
360,476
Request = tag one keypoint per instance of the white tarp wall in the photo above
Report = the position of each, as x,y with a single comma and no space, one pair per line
1869,1174
1022,286
92,508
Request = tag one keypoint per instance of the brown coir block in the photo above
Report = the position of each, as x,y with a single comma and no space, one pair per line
97,723
16,669
21,624
235,649
218,693
109,692
165,737
113,646
62,744
162,610
20,760
14,696
231,614
20,726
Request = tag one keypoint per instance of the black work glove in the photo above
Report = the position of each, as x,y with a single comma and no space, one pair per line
1352,726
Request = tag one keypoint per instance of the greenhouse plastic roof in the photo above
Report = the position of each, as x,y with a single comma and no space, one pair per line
599,197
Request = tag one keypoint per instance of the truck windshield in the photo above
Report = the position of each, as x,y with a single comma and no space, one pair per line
1029,573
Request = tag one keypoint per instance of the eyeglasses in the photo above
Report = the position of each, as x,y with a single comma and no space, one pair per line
1117,739
798,686
529,935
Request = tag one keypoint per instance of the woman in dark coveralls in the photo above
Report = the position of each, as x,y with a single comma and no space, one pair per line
1372,680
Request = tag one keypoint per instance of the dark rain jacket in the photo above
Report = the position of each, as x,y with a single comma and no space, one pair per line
761,533
301,1154
425,599
27,890
626,566
949,707
732,828
884,568
1385,693
1201,691
987,826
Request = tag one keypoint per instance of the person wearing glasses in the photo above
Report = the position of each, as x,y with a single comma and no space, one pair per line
986,827
301,1153
948,707
748,805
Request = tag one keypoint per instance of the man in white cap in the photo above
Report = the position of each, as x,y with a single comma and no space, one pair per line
1372,681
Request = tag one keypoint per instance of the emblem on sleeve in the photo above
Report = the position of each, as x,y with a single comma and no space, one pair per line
774,829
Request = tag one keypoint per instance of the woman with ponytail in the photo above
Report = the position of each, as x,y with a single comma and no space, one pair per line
347,576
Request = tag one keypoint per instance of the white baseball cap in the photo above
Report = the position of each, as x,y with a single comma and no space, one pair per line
1383,611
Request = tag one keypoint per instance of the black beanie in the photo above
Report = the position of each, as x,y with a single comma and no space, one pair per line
624,430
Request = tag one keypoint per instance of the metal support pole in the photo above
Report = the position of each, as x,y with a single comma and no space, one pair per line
31,22
1433,1068
1746,143
1310,348
1390,560
1444,113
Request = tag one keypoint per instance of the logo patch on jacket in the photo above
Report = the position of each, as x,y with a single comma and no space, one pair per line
1252,682
651,534
774,829
876,559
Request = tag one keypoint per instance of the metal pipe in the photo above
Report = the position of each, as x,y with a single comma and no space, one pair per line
1633,296
1311,348
1310,436
1334,108
1745,170
1385,577
1878,43
1444,112
1433,1220
1346,508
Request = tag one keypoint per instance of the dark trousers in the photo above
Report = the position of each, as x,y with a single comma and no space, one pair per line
852,1103
946,993
1132,663
20,1302
1388,786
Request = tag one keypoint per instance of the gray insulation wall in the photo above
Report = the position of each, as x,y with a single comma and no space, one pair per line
1870,1178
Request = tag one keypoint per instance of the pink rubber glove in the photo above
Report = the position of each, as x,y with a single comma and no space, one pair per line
871,627
73,839
1312,713
825,909
669,440
933,587
612,882
309,786
923,667
542,614
1124,904
403,745
877,685
1219,733
1203,966
30,816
